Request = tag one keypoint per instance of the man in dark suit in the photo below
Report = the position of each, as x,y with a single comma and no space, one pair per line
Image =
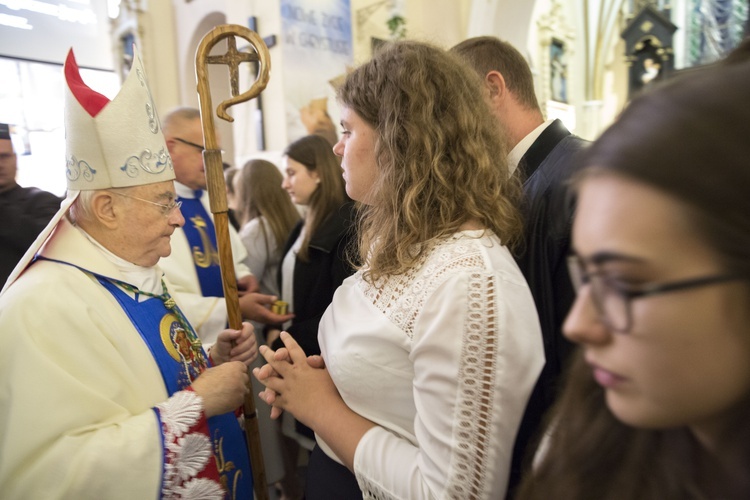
543,153
24,211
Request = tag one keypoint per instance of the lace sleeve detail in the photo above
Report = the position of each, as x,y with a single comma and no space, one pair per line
187,449
465,311
469,462
401,298
476,389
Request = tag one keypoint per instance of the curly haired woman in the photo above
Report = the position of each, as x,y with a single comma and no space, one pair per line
432,348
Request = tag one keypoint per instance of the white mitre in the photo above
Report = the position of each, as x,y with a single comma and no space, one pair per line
109,144
113,144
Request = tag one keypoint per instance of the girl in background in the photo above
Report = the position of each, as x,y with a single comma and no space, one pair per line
267,217
316,255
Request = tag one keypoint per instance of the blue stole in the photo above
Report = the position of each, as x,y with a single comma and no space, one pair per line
178,352
201,235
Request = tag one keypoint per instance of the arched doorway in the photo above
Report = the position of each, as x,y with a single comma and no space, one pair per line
218,79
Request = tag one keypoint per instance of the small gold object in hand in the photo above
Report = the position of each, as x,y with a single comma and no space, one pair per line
279,307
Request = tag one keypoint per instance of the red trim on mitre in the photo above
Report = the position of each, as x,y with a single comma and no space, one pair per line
93,102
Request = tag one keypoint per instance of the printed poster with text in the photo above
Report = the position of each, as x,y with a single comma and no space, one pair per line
317,48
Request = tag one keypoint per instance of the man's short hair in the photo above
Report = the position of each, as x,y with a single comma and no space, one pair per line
488,53
175,119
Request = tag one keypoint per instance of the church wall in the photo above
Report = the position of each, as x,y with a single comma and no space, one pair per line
167,34
153,23
438,21
509,20
442,22
193,20
615,83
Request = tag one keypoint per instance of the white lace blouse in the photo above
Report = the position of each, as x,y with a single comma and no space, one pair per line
443,359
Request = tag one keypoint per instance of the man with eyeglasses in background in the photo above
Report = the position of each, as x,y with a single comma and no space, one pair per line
24,211
193,266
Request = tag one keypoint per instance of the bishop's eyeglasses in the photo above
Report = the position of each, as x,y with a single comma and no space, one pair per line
612,299
166,210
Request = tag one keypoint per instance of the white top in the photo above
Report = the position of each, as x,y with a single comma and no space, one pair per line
443,359
520,149
262,253
208,315
287,274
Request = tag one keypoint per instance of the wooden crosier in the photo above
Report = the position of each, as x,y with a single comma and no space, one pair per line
217,188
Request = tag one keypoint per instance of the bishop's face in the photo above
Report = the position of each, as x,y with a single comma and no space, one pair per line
145,229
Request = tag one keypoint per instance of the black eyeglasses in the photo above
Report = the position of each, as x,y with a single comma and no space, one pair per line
196,146
612,300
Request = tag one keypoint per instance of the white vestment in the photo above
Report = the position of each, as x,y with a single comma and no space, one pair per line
79,386
208,315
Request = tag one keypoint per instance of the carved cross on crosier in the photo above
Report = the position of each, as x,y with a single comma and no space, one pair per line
233,58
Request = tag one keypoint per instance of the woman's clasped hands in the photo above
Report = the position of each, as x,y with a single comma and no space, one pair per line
296,382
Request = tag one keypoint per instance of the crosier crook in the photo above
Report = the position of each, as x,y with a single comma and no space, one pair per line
217,188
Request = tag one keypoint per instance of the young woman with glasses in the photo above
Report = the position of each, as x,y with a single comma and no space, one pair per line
657,402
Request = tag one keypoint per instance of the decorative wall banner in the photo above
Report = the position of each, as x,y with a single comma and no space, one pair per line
317,47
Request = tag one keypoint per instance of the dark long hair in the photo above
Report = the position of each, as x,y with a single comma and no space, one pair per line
316,154
689,139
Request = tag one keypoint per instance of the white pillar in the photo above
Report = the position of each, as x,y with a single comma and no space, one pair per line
590,126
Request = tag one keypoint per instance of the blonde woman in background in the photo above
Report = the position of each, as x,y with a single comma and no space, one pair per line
266,216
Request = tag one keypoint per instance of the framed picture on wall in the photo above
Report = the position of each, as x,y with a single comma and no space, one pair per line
558,71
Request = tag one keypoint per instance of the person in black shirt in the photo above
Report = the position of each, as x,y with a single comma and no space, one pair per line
24,211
